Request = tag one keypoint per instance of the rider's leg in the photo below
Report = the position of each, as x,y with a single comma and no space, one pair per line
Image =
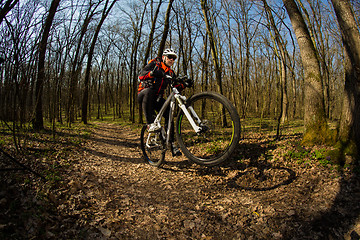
147,99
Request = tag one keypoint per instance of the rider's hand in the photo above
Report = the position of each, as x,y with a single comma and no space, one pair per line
157,73
188,83
179,86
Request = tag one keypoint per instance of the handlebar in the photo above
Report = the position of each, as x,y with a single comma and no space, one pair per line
181,82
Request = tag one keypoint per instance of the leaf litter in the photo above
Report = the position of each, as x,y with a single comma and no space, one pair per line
106,191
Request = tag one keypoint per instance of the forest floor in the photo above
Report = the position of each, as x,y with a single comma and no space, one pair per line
99,187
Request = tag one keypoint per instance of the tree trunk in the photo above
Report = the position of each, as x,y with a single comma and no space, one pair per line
283,116
151,35
215,55
181,32
166,29
7,7
231,52
214,51
90,56
76,65
39,122
314,116
137,27
349,133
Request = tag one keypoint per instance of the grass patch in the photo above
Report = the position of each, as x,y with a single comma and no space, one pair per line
269,126
305,155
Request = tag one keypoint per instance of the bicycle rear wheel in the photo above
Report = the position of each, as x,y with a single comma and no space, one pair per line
153,147
220,133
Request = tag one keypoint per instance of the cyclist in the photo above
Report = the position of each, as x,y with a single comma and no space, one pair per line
153,82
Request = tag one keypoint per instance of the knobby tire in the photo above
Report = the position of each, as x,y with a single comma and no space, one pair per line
154,152
221,124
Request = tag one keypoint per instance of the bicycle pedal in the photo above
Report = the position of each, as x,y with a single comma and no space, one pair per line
176,152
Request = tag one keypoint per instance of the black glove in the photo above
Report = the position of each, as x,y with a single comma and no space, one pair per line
179,86
157,73
188,83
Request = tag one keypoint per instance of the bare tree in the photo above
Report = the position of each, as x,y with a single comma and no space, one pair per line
232,48
77,60
283,66
166,29
39,122
137,23
317,34
213,46
85,100
350,119
151,34
244,38
314,116
9,4
186,24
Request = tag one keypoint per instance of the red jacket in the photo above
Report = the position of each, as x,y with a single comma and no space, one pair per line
159,84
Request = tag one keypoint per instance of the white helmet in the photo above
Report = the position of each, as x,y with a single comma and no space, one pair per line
169,51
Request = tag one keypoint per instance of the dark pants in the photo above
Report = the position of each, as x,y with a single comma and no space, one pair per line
150,102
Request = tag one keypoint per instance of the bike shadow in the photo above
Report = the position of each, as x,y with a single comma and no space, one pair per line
256,171
252,169
249,169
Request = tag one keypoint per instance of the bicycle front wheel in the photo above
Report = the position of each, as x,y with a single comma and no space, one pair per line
220,124
153,147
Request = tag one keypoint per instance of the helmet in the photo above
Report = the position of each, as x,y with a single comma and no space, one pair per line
169,51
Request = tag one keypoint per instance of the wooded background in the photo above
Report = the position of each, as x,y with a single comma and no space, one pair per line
72,60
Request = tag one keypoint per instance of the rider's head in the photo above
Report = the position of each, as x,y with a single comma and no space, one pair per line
169,56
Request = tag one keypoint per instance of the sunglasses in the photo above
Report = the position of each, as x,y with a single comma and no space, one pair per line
171,57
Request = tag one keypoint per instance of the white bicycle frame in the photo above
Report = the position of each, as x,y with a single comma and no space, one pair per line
189,112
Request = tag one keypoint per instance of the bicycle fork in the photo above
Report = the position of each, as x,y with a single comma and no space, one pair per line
190,115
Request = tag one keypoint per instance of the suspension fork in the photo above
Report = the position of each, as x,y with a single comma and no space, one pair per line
190,115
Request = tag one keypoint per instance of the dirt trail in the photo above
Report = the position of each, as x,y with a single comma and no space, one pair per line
118,194
111,193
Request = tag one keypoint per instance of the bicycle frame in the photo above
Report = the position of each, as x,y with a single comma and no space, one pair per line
189,113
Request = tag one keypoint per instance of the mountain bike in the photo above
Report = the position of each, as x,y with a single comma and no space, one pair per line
207,128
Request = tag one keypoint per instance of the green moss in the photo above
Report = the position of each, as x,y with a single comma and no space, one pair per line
334,156
345,153
319,133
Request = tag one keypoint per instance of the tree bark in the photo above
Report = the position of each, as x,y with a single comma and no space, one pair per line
349,132
314,115
38,123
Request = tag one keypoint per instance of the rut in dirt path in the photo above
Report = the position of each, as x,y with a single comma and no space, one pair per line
118,195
